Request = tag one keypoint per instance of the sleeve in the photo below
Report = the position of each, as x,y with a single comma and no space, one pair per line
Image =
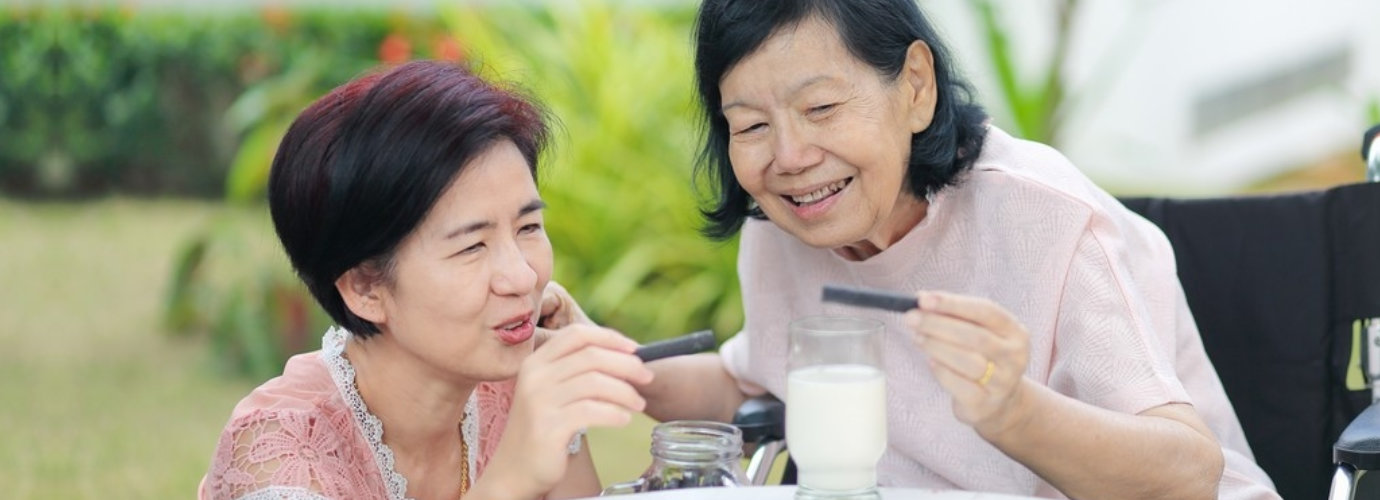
281,455
734,353
1114,333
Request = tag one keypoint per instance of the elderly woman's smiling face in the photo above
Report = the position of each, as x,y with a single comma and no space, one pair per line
821,140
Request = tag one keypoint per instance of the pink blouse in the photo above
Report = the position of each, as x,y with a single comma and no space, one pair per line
1094,284
308,435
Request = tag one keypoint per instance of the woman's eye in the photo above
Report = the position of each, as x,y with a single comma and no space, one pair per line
471,249
529,229
751,128
822,108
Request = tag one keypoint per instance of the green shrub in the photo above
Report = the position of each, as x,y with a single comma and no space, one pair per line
622,214
101,100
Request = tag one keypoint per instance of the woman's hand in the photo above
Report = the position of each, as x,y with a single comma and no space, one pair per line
978,352
582,378
558,310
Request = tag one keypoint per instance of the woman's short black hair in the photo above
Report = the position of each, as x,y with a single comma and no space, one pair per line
360,168
877,32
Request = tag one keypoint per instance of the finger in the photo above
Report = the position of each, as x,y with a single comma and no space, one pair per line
587,413
957,331
975,309
963,361
599,386
541,337
576,337
550,303
968,396
618,364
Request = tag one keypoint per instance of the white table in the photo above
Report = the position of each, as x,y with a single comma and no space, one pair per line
788,493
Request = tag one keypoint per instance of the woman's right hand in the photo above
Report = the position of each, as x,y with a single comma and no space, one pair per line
582,378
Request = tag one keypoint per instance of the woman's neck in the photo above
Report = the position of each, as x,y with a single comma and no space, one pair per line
907,214
420,408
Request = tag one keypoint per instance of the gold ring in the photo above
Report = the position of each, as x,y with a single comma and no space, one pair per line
987,375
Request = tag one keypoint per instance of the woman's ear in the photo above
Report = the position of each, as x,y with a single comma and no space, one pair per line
918,83
362,292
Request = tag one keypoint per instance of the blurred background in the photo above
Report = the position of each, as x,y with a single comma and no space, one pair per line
145,293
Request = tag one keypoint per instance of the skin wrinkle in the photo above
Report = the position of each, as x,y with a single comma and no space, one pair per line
784,144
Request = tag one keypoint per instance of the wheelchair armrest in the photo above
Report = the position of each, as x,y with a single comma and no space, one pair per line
1359,444
761,419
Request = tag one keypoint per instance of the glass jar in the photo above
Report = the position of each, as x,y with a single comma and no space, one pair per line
690,454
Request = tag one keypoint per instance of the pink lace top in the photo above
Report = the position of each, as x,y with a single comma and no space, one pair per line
308,435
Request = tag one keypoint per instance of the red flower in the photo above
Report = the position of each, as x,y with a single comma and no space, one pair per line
447,48
395,49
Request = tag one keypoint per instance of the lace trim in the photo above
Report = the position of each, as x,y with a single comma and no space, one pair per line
283,493
469,431
343,373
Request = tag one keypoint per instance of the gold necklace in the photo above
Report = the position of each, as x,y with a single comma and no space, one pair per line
464,460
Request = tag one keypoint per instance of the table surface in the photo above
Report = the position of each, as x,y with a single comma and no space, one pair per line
788,493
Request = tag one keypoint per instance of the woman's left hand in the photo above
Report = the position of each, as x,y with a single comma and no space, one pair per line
978,352
558,310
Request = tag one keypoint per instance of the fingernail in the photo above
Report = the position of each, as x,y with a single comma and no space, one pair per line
927,300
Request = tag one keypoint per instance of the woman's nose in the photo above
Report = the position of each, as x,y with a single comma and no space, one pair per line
513,274
795,150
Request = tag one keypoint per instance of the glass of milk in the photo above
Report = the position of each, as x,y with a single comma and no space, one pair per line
836,406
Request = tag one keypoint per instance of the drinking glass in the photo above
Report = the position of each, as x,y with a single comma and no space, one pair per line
836,406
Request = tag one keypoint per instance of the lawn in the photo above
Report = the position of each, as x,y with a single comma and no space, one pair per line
96,401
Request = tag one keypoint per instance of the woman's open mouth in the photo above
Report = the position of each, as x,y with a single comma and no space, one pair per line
820,194
815,203
516,332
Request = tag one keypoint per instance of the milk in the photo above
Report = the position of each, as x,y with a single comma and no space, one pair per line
836,425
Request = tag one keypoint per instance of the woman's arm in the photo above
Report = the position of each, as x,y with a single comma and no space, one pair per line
694,387
1164,452
979,352
581,479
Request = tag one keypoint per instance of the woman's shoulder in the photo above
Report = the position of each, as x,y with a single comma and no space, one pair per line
290,443
302,404
305,385
1013,170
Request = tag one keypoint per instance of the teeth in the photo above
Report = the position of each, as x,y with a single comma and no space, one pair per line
820,194
512,325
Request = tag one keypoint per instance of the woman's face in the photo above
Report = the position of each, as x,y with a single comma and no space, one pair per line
466,285
821,140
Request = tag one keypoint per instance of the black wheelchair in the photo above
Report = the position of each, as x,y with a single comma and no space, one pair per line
1286,292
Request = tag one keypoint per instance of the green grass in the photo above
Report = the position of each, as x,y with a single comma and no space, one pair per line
96,401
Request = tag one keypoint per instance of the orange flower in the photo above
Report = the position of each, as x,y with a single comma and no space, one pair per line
277,17
395,49
447,48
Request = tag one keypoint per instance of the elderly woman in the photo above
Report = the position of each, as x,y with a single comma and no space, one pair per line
407,202
1053,353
